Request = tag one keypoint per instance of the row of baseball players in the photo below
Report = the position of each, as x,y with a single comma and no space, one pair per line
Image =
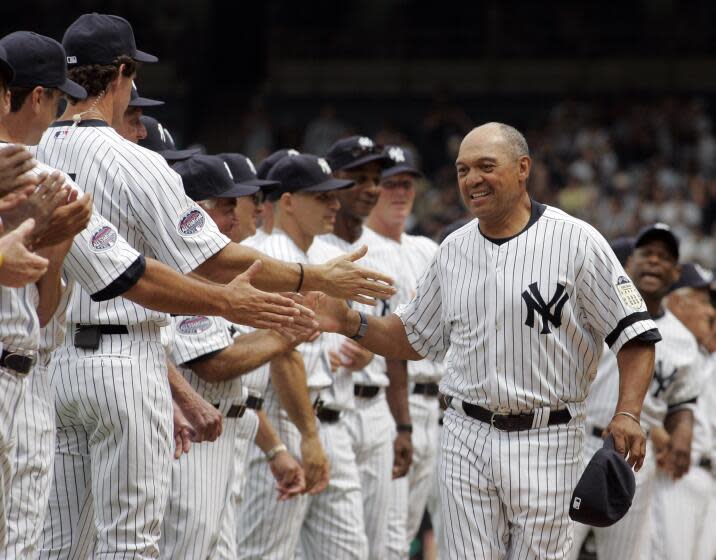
519,303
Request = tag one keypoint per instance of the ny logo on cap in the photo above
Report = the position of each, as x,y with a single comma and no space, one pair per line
251,166
535,302
162,135
706,275
229,170
324,166
292,152
396,154
365,142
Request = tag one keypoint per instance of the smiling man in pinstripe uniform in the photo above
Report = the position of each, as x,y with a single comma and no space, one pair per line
519,301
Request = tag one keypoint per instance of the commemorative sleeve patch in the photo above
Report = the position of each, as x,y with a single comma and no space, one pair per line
627,292
103,238
194,325
191,222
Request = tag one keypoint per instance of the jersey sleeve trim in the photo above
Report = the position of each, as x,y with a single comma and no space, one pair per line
652,336
682,404
203,357
627,321
123,282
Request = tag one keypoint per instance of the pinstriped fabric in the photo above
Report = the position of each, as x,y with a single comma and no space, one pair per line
12,388
372,431
33,459
129,460
269,529
137,192
433,503
333,526
506,494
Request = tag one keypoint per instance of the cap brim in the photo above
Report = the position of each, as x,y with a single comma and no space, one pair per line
141,56
73,89
385,161
179,155
263,183
329,185
145,102
398,169
239,190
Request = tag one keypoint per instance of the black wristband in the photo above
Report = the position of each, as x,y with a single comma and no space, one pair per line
404,428
362,328
300,278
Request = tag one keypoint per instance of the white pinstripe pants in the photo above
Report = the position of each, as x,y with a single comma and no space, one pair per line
12,387
32,465
506,494
113,451
409,495
630,536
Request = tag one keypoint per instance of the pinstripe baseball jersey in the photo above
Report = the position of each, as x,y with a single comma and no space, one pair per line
703,442
315,355
339,396
137,192
384,258
522,320
676,382
196,336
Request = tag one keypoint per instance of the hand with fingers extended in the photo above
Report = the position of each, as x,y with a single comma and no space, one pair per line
315,464
343,278
40,204
14,199
66,221
20,266
16,165
183,431
330,313
290,479
205,419
247,305
629,439
402,454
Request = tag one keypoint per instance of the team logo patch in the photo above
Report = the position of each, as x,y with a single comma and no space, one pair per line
103,239
628,293
61,134
194,325
192,221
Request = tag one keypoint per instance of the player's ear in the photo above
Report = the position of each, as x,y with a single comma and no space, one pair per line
525,164
36,98
286,203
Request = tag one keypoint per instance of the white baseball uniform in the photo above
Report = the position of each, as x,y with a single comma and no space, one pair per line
370,423
113,402
410,493
706,547
680,507
522,322
675,385
202,478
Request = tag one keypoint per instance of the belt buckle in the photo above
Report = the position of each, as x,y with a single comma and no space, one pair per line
492,420
16,363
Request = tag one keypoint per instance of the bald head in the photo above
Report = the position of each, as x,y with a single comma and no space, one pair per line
512,139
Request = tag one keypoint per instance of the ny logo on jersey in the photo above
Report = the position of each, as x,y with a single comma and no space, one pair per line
535,302
662,380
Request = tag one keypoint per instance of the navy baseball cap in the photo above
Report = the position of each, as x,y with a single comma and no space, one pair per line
402,160
210,177
244,172
160,140
355,151
39,61
623,248
694,276
5,67
659,231
135,100
304,173
100,39
265,166
605,490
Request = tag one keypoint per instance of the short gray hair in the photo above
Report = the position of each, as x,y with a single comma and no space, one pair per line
515,139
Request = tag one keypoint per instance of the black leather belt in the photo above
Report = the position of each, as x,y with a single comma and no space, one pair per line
427,389
104,329
366,391
705,463
238,410
597,431
88,336
18,363
328,415
511,422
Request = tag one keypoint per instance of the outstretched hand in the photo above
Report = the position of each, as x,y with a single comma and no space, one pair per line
19,265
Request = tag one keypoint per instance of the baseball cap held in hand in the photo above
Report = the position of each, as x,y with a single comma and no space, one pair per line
605,491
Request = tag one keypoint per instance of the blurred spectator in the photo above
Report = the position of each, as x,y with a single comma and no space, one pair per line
323,131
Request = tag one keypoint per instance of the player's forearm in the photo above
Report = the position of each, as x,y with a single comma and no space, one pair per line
288,376
636,367
248,352
181,390
680,425
397,391
274,276
385,336
161,288
49,289
266,436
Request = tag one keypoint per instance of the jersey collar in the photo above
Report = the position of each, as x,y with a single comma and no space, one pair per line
88,122
535,214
